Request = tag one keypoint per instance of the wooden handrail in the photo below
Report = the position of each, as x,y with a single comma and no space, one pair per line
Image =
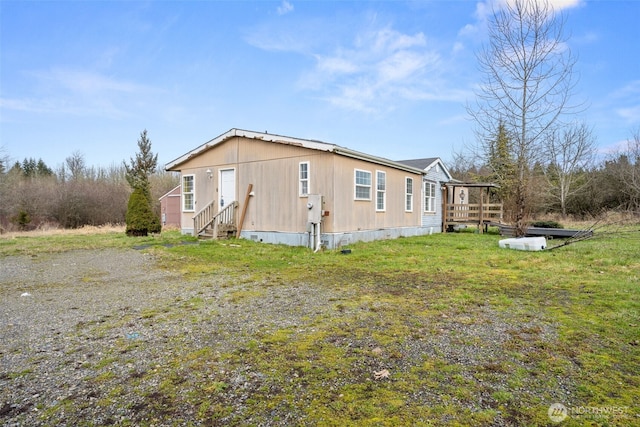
205,217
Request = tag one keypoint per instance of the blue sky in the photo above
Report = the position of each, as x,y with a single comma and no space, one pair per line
390,78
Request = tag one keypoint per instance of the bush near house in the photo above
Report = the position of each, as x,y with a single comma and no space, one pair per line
547,224
141,220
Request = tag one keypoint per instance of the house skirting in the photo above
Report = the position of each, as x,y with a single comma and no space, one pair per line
187,231
336,240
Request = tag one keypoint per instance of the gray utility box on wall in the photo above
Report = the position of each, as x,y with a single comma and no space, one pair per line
314,205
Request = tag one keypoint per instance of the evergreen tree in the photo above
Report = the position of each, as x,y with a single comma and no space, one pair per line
501,162
142,166
29,167
140,217
42,169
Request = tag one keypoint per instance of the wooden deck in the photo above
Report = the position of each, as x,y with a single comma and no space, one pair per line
479,214
457,212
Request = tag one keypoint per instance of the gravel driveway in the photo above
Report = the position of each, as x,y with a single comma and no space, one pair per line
70,320
88,337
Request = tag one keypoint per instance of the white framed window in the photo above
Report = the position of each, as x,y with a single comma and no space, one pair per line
408,191
381,191
188,193
303,179
362,184
429,196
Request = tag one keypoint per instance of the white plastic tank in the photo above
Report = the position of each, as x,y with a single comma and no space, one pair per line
524,243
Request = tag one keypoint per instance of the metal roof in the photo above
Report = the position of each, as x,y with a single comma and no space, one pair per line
287,140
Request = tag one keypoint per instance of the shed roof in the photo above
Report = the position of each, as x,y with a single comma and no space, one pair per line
174,191
287,140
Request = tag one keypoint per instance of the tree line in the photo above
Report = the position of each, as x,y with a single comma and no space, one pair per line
579,186
71,195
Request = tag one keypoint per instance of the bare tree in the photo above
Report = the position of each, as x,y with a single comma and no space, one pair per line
527,83
628,171
76,165
570,151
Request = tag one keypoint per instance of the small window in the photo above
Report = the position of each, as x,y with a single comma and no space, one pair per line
303,177
429,196
363,185
409,195
188,193
381,190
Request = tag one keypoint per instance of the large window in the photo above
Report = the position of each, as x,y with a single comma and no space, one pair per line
409,195
381,190
363,185
303,186
188,193
429,196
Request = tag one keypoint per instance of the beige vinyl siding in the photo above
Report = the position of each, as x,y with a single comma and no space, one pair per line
355,215
274,171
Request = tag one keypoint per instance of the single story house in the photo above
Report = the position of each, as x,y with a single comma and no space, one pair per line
280,189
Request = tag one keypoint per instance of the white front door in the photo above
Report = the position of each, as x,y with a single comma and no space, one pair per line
227,192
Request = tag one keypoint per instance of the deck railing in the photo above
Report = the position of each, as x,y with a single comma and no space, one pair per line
473,212
206,217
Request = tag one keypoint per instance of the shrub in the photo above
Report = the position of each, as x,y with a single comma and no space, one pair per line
140,218
547,224
22,219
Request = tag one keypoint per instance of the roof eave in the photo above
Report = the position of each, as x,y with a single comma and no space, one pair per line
374,159
306,143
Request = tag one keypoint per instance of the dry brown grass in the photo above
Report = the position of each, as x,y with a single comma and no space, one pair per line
52,230
606,218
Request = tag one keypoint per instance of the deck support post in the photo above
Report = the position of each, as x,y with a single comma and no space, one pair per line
445,203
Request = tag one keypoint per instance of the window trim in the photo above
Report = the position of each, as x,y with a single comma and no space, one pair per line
408,196
192,193
433,197
356,185
303,180
381,192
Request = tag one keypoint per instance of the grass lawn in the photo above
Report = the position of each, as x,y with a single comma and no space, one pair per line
447,329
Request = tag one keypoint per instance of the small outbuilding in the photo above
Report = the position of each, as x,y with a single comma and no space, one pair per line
170,208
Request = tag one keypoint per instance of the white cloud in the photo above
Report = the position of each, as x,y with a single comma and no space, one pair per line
87,82
557,5
627,97
484,9
402,65
79,93
376,70
630,114
382,68
335,65
630,90
284,8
